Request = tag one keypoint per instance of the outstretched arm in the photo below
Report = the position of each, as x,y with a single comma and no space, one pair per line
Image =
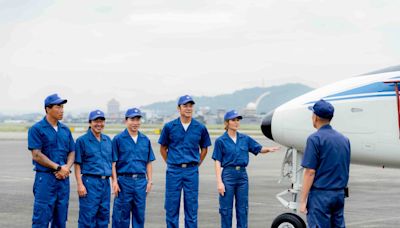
265,150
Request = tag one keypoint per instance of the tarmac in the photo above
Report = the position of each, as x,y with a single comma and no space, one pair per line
374,192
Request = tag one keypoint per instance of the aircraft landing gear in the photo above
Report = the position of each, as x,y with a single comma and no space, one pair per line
292,170
288,220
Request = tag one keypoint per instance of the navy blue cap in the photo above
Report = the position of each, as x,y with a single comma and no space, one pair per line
232,114
96,114
185,99
323,109
133,112
54,99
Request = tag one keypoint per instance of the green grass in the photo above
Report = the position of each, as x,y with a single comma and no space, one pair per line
116,128
14,127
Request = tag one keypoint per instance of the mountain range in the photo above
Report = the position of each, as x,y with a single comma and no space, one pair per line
271,98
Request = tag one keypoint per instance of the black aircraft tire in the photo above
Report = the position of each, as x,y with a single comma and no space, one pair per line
290,219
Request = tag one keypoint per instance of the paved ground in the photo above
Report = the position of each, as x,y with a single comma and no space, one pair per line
374,200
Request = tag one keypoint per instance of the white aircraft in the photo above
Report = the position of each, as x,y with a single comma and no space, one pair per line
367,111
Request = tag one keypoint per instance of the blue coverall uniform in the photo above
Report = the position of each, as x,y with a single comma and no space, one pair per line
132,158
234,158
328,153
51,194
182,171
95,160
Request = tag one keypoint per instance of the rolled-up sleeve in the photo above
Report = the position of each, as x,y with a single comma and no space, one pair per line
164,136
34,139
218,148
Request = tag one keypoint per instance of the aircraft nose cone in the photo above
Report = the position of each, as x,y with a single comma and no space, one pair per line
267,124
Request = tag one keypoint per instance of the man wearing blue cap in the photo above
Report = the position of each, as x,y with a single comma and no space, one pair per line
326,162
180,142
231,153
93,167
53,155
132,173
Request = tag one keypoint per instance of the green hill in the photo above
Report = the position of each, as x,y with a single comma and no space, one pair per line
239,99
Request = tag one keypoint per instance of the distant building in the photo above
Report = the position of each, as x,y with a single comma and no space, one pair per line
220,116
249,114
113,107
113,113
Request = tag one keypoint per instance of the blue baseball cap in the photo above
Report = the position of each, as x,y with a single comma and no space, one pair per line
133,112
96,114
323,109
54,99
185,99
232,114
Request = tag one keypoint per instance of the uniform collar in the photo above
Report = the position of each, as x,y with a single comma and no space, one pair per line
238,135
326,126
177,121
126,134
93,138
47,124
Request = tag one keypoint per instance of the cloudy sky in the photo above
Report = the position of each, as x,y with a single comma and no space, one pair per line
141,52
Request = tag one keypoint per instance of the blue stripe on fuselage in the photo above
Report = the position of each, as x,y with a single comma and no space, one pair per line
355,97
376,87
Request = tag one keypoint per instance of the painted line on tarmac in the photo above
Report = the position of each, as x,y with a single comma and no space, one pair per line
16,179
365,222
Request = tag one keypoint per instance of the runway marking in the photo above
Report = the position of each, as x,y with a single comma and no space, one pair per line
371,221
13,178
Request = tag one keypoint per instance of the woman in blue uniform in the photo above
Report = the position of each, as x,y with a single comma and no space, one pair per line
231,158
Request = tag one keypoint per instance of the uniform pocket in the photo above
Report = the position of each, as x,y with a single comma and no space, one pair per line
194,205
121,212
195,138
244,148
37,182
141,154
108,148
41,213
86,215
223,211
91,151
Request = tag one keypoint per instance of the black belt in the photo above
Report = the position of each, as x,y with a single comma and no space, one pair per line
96,176
39,171
237,167
132,175
186,165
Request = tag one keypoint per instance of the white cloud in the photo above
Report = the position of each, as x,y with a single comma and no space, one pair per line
147,51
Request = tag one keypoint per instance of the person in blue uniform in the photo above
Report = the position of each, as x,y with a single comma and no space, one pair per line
53,155
93,168
184,143
231,155
132,173
326,165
